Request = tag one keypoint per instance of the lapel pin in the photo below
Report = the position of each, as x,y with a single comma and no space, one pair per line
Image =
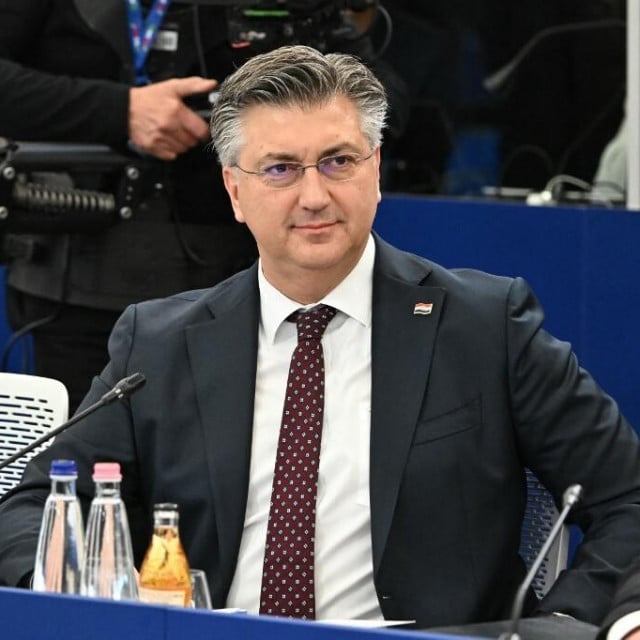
423,308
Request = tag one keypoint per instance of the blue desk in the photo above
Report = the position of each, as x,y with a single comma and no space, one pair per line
35,616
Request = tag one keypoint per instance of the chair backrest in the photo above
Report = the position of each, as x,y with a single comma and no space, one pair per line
540,516
29,407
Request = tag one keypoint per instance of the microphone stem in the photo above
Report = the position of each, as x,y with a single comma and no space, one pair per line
499,77
52,433
518,603
123,389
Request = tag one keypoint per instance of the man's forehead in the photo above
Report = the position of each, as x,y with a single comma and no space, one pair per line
334,104
275,128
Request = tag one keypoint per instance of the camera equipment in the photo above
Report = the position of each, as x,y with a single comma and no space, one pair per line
32,200
267,24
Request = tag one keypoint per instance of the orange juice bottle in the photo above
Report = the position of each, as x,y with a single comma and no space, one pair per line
164,574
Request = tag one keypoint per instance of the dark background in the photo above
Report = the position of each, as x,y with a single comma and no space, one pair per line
560,107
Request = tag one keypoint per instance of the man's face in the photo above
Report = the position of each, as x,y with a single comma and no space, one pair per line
316,227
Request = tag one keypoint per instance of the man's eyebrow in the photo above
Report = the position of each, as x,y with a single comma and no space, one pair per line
340,148
290,157
278,157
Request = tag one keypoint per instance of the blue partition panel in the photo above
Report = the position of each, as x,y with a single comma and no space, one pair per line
20,357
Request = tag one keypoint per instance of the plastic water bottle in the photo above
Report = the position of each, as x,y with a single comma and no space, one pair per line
61,541
108,570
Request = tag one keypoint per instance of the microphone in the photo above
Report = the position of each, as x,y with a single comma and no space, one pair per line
497,79
123,389
570,498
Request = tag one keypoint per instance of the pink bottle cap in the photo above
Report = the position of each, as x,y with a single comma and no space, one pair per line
106,471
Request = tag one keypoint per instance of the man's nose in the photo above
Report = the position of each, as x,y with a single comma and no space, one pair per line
313,189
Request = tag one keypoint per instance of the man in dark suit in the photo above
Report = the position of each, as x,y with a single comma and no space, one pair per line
439,388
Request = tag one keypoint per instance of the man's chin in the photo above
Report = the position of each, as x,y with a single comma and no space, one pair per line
322,256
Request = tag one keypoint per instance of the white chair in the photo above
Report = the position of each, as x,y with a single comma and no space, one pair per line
29,407
540,516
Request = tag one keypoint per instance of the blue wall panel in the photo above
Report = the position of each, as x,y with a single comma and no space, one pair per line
16,361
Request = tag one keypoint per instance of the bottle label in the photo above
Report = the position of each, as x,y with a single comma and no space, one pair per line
173,597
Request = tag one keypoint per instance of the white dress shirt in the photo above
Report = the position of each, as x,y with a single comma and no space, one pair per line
624,625
343,556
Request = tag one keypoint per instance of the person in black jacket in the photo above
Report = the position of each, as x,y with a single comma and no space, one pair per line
68,74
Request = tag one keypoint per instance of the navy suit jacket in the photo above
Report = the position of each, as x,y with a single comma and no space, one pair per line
462,400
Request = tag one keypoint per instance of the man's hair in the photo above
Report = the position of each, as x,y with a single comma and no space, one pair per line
295,76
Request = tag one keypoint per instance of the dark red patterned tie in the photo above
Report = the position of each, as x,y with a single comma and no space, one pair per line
287,578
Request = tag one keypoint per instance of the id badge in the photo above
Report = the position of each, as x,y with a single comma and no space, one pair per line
166,40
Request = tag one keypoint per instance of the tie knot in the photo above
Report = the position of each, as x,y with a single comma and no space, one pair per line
312,323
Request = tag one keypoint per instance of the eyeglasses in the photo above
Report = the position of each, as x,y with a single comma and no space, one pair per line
336,168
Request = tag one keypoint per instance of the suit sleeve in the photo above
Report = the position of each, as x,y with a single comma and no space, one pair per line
105,435
626,599
41,106
569,430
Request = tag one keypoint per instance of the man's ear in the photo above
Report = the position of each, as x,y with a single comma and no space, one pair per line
230,179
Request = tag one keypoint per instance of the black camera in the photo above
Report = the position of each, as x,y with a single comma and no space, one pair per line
267,24
38,193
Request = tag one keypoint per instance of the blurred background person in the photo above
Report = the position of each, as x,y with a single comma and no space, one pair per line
553,113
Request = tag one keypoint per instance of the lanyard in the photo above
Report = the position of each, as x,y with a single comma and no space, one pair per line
144,32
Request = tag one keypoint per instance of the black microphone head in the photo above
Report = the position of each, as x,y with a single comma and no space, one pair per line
124,388
495,81
130,384
572,495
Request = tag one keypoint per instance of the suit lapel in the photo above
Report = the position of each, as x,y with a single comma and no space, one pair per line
108,19
402,350
222,354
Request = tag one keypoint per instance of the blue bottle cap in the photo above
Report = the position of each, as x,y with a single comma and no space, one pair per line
63,468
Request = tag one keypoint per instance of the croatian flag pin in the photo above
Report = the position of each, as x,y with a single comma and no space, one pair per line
423,308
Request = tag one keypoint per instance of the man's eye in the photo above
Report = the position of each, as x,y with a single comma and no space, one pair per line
281,170
338,162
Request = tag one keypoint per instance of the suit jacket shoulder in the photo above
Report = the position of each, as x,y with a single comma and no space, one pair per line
199,305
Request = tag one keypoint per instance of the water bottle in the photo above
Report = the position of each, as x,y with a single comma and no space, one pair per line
61,540
108,570
164,575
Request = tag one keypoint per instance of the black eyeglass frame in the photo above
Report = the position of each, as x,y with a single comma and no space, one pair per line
301,168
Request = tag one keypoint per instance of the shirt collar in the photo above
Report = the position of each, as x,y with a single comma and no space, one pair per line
352,296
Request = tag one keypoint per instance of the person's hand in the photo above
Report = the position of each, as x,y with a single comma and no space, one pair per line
160,123
634,635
